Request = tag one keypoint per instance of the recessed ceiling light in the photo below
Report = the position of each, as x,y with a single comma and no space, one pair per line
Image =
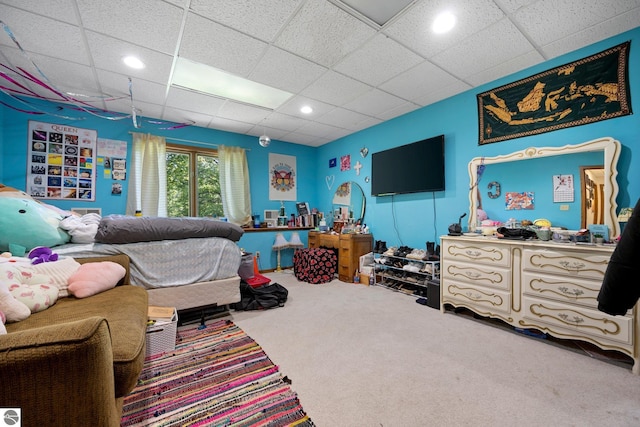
133,62
306,110
443,23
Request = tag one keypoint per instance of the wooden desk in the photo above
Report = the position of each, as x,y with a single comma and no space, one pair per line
350,248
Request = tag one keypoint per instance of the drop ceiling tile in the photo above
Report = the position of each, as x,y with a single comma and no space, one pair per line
300,138
624,22
505,68
142,90
405,108
108,53
490,47
262,20
272,133
61,10
510,6
229,125
233,110
323,33
418,81
343,118
65,41
63,75
442,93
180,116
317,129
146,112
283,70
374,103
293,105
132,20
413,29
210,43
378,60
544,27
367,123
285,122
194,101
334,88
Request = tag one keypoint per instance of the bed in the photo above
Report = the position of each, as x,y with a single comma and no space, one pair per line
185,263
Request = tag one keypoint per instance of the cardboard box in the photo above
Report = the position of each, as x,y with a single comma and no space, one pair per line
161,336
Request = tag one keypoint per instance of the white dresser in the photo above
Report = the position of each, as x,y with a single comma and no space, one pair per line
546,286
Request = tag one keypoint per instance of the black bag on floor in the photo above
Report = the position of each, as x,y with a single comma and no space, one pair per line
269,296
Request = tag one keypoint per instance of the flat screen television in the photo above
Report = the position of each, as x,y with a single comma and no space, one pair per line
411,168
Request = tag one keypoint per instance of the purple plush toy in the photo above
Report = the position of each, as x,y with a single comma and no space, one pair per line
42,254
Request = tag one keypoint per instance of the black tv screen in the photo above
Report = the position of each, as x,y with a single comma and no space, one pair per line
411,168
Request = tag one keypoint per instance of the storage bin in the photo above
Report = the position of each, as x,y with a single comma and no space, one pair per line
161,337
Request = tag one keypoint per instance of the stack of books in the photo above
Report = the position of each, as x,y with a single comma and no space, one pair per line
160,315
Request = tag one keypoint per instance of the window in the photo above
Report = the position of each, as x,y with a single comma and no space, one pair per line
193,186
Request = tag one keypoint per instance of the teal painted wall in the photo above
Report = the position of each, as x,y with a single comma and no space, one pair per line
408,219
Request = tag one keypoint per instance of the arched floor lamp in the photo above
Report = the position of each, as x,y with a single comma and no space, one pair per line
278,245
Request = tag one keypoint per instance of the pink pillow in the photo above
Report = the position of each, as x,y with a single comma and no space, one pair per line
95,277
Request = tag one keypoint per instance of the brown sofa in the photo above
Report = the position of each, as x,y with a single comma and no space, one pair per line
73,363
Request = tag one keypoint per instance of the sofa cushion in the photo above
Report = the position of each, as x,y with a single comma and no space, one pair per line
95,277
124,308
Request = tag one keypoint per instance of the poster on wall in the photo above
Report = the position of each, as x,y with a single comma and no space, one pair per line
61,161
282,177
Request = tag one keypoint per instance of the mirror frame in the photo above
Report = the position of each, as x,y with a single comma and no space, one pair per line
611,148
364,201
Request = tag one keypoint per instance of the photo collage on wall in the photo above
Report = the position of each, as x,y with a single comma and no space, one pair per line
61,162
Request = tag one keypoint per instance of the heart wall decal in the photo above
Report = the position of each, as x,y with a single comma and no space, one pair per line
330,179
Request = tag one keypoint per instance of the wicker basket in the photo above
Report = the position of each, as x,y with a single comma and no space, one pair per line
161,337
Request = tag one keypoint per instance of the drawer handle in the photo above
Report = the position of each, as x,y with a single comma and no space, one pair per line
575,319
472,274
473,253
574,292
473,296
572,266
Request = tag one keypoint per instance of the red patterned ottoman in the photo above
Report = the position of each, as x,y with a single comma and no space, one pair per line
315,265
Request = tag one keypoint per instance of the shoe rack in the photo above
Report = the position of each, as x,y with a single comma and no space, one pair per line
407,275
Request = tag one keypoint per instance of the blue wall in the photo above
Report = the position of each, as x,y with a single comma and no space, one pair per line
408,219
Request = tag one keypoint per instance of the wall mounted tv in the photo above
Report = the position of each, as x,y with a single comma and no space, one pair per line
411,168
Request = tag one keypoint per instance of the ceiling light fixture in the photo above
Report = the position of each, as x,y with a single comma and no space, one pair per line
443,23
133,62
306,110
205,79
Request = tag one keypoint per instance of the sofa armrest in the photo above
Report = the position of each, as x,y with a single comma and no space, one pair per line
60,374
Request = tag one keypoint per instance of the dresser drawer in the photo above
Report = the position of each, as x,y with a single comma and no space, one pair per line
478,274
574,321
583,265
565,289
478,296
483,253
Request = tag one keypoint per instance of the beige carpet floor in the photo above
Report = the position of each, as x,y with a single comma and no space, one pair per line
367,356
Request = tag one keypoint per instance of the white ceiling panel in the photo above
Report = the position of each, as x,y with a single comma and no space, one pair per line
150,23
283,70
221,47
353,72
260,19
323,33
378,60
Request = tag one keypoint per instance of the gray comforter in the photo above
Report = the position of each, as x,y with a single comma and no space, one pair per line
129,229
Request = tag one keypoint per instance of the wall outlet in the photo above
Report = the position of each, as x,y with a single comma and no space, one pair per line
564,207
257,254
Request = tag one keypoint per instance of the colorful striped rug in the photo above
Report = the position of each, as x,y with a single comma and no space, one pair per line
217,376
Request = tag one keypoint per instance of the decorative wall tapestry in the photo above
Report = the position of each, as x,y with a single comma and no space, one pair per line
282,177
581,92
61,162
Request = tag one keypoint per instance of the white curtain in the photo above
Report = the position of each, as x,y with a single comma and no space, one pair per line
234,184
148,176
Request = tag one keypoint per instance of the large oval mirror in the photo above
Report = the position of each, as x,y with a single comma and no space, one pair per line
545,168
349,203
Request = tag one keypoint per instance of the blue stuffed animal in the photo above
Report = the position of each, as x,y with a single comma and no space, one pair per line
26,223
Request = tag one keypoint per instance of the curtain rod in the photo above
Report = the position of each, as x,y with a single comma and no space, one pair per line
208,144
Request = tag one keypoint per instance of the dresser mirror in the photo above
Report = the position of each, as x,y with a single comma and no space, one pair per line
607,151
349,202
